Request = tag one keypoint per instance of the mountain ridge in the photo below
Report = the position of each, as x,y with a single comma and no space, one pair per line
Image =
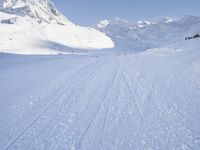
150,34
42,11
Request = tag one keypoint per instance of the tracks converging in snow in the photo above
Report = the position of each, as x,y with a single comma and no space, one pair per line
56,97
106,102
136,89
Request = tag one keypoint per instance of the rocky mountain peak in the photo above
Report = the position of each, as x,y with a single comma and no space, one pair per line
39,10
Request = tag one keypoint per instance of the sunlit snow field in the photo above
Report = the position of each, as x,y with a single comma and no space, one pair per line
116,85
147,100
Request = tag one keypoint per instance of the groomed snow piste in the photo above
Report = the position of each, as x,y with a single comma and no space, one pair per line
148,100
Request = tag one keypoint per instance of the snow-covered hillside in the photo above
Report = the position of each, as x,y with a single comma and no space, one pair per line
144,34
37,27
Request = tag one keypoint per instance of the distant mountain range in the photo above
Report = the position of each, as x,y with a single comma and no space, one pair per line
146,34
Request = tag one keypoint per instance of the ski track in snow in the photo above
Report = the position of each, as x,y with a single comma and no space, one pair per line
135,101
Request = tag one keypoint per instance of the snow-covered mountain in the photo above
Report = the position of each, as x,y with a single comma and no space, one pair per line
37,10
144,34
37,27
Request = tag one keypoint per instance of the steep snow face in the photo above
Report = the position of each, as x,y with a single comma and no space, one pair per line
151,35
38,10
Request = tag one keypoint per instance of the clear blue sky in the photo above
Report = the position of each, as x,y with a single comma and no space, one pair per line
87,12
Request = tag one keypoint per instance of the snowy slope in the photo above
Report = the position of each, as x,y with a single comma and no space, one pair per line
149,100
50,39
137,90
37,27
145,34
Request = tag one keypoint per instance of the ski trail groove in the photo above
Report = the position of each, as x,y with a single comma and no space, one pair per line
84,69
78,146
55,115
131,92
108,105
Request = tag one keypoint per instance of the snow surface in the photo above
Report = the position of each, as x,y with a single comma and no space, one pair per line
146,100
138,89
50,39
